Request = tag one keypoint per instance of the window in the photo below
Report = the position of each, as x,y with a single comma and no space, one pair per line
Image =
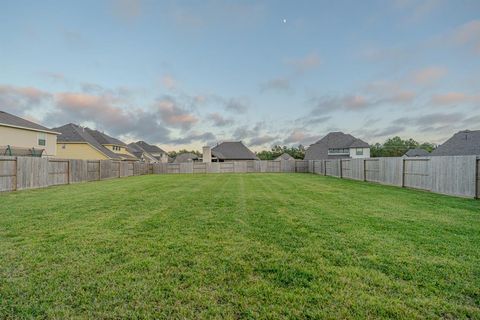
42,139
359,151
336,151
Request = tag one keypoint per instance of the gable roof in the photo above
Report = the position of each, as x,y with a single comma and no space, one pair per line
185,157
234,150
74,133
149,147
461,144
285,156
417,152
104,139
333,140
139,152
9,120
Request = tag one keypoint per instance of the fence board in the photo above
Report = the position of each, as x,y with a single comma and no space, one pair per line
93,170
32,173
301,166
58,172
332,167
417,173
452,175
226,167
478,178
78,171
8,173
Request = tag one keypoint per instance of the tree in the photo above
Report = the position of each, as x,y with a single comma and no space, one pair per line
173,154
277,150
396,147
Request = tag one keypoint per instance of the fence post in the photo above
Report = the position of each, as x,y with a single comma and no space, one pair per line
364,169
341,168
16,173
324,167
68,171
403,173
99,170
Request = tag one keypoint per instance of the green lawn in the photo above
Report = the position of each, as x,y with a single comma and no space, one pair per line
238,246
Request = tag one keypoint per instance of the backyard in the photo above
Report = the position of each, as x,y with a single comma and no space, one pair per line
238,246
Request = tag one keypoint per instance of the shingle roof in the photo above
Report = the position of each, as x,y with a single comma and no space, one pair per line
234,150
138,151
11,120
285,156
74,133
461,144
185,157
149,147
103,138
417,152
333,140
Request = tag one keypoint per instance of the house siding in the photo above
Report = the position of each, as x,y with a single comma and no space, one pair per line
24,138
81,151
353,153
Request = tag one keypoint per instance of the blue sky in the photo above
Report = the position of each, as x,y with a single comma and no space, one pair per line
188,73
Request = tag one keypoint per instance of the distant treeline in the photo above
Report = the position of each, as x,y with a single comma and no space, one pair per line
396,147
276,151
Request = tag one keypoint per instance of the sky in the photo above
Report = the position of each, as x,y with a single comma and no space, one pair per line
183,74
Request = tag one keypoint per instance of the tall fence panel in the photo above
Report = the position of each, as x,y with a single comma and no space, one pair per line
391,171
353,169
32,173
478,178
372,170
417,173
58,172
93,170
453,175
301,166
78,171
318,167
8,173
332,168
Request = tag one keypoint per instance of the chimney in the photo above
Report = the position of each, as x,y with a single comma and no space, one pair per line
164,158
207,154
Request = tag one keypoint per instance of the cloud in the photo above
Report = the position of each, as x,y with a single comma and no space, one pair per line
431,119
218,120
174,115
417,9
468,35
127,10
262,140
236,105
169,82
299,136
20,99
312,120
428,75
454,98
304,64
207,137
277,84
388,131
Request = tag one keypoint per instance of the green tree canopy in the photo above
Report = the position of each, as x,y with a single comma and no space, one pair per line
396,147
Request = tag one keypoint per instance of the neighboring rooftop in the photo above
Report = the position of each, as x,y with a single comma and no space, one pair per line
417,152
185,157
285,156
234,150
74,133
149,147
10,120
462,143
333,140
104,138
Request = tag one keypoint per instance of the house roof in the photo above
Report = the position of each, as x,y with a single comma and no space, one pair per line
417,152
74,133
9,120
139,152
149,147
461,144
234,150
185,157
333,140
285,156
104,139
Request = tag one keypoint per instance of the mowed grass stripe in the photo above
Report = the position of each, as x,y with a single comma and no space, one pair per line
238,246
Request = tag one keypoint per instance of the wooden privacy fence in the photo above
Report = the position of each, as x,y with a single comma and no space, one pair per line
459,176
18,173
452,175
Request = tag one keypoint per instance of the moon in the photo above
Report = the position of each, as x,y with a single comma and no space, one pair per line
284,20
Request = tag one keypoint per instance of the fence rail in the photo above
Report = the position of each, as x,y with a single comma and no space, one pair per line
453,175
458,176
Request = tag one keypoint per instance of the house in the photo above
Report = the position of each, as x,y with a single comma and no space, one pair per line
155,151
462,143
76,142
417,152
185,157
285,157
337,145
140,153
21,137
229,151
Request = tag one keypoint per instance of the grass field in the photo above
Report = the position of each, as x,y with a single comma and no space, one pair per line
238,246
